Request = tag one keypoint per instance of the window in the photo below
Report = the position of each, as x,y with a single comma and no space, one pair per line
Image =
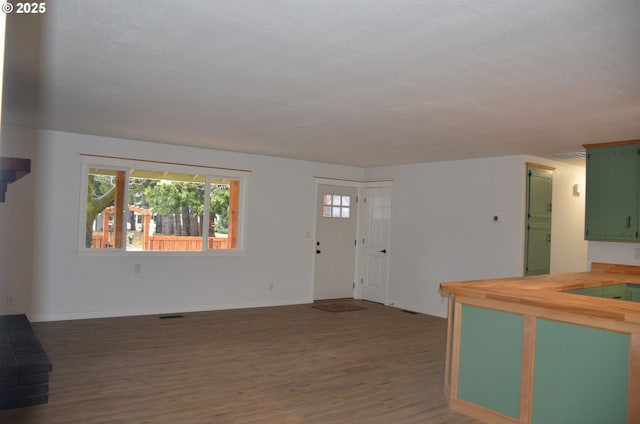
335,206
145,209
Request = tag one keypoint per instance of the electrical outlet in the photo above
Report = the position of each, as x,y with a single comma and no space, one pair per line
271,287
9,301
137,269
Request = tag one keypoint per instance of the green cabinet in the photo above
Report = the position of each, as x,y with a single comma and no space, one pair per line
612,210
633,291
490,359
623,291
616,291
589,291
542,371
581,375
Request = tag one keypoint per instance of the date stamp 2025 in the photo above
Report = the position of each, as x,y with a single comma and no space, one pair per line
24,7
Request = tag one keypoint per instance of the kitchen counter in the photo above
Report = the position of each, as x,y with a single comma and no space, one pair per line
546,291
522,350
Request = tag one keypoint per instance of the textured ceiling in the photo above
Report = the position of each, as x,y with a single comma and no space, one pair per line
356,82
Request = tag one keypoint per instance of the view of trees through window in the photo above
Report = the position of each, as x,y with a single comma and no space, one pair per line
165,211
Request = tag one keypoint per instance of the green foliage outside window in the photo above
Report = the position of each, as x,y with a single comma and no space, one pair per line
175,202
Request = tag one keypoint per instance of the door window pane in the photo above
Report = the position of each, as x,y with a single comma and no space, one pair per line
336,206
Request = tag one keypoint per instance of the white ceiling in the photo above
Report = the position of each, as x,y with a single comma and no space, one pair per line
356,82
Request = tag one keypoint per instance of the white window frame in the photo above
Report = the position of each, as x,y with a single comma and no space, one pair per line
126,164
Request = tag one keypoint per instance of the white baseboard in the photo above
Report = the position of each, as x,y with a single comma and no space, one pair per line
65,316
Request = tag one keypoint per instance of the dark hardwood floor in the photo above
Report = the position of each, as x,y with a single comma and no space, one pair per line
290,364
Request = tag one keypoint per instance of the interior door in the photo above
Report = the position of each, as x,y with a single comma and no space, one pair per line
538,230
375,264
335,243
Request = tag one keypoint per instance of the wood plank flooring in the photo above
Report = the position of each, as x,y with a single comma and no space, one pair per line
290,364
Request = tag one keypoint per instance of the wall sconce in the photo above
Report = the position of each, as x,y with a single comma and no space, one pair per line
578,189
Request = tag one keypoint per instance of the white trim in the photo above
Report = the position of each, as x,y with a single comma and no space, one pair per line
160,311
343,182
380,183
205,215
226,170
124,163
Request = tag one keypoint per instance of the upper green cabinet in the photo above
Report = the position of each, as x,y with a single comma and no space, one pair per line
613,192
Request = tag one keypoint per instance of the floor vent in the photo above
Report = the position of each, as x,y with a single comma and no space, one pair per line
171,316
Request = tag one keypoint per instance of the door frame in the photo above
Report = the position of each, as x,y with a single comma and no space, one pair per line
357,272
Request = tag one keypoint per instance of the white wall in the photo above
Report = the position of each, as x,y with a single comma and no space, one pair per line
441,230
442,227
615,253
281,195
16,226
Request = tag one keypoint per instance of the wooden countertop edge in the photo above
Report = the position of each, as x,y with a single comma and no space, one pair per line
546,291
615,268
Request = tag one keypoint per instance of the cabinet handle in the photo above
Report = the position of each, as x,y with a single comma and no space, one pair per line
629,221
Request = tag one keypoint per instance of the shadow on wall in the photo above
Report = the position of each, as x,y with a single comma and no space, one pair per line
22,70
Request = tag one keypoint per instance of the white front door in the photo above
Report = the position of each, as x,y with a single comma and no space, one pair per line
375,263
336,225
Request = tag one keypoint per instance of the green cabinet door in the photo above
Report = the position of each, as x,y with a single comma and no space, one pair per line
633,292
589,291
616,291
490,359
537,259
581,375
613,191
